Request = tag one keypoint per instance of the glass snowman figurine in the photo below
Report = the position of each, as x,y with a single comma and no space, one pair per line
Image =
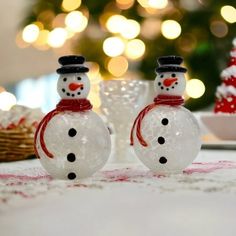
165,135
72,141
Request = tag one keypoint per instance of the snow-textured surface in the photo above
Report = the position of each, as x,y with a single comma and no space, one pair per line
121,199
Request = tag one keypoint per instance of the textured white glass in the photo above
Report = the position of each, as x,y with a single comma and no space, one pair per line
81,154
173,138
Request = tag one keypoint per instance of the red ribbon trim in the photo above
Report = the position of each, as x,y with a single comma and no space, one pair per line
159,100
74,105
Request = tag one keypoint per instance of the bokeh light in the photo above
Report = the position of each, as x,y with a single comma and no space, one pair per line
144,3
117,66
57,37
20,41
30,33
131,29
42,38
115,23
124,4
7,100
195,88
59,20
135,49
219,28
70,5
113,46
228,13
76,21
158,4
151,27
171,29
41,42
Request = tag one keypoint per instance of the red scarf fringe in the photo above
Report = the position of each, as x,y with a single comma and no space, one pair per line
159,100
74,105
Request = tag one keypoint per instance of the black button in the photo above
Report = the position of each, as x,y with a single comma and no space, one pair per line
71,176
72,132
165,121
161,140
162,160
71,157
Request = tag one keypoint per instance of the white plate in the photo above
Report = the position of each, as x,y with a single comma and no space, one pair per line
223,126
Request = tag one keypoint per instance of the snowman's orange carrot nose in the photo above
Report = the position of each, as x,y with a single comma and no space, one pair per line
74,86
169,81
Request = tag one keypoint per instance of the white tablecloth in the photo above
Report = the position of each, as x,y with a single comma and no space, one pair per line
122,199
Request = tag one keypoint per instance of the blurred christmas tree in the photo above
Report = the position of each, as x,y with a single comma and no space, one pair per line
126,36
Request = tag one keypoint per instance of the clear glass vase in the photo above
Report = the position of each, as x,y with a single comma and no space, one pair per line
121,101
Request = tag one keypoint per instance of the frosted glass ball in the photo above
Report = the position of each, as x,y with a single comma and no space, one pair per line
173,138
80,143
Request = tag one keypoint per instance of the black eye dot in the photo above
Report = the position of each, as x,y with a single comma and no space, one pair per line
162,76
162,160
159,83
63,90
71,157
78,78
162,87
161,140
71,176
165,121
173,75
68,94
78,93
65,79
72,132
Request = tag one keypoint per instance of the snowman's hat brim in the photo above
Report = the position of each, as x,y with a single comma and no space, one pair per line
72,69
171,69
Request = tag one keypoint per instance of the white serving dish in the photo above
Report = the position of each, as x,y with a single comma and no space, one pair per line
223,126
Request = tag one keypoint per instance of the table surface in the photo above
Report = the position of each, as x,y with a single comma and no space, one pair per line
122,199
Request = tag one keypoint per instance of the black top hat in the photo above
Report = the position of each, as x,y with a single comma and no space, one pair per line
72,64
169,64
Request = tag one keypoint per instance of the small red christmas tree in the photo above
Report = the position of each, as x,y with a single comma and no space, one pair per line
226,92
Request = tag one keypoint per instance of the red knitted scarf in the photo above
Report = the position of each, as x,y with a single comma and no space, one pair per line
74,105
159,100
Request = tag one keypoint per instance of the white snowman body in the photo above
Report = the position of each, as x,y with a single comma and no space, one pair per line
79,141
173,138
172,133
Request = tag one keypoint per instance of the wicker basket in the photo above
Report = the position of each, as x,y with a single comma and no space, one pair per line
16,144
